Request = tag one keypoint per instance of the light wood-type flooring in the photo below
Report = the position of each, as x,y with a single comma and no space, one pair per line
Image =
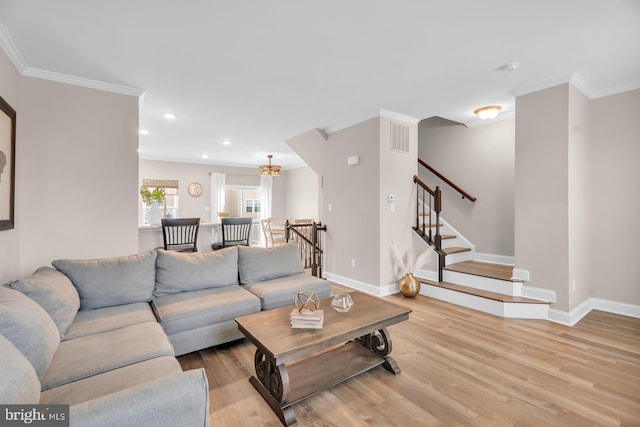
459,367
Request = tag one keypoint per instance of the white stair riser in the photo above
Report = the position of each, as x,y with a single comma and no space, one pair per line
458,257
497,308
485,283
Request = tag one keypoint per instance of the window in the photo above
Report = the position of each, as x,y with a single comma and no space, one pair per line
170,205
252,206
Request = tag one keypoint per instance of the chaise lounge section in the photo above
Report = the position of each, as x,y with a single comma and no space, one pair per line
102,335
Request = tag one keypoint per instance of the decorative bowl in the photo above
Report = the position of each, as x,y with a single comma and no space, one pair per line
342,303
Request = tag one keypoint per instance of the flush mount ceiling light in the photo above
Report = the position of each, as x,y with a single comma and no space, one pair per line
269,170
169,116
486,113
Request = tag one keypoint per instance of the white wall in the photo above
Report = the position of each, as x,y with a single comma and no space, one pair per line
481,161
303,193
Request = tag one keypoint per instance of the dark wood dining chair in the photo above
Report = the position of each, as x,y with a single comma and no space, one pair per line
235,231
181,234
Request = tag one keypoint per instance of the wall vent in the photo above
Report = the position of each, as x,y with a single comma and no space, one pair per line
399,137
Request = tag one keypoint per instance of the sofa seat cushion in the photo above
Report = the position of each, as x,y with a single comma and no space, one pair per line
89,322
190,310
181,272
257,264
54,292
94,354
110,382
107,282
20,384
29,328
282,291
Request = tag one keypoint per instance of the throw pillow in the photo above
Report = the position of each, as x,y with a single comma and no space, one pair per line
54,292
259,264
29,328
193,271
19,385
107,282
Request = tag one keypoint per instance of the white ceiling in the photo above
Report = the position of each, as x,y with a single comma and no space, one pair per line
259,72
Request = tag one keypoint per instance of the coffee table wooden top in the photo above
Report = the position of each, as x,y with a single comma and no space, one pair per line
271,330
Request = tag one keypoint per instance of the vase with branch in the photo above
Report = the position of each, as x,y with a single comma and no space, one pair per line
409,286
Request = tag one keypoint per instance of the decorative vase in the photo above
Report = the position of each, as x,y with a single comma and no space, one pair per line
409,286
155,214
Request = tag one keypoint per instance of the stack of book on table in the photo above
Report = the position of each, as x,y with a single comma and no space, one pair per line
307,319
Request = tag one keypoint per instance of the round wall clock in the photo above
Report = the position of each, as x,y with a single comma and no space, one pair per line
195,189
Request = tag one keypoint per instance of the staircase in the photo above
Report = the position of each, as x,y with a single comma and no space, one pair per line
460,280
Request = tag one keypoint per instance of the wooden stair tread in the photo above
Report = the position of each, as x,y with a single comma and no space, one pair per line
448,236
455,250
484,269
482,293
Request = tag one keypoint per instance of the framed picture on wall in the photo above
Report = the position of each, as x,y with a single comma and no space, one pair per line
7,164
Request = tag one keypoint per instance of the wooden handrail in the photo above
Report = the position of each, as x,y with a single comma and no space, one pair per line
313,245
465,195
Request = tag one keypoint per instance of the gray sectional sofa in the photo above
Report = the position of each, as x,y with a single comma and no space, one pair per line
102,335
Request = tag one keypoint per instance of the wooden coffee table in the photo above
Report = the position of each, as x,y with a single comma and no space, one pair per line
292,364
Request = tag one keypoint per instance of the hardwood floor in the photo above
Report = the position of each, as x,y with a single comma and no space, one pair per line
459,367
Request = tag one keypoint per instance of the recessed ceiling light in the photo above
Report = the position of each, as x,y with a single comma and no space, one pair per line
139,150
169,116
226,142
204,156
143,132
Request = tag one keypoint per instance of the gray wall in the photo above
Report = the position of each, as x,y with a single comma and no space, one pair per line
353,222
576,194
615,229
303,193
76,173
481,161
541,193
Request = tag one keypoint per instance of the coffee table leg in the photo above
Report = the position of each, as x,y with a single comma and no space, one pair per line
379,342
272,382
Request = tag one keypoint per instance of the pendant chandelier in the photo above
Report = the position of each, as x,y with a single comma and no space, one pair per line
269,170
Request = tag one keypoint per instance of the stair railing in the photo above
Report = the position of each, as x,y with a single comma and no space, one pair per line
429,202
309,239
465,195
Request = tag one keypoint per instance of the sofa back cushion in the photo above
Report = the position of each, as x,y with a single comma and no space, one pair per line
192,271
259,264
107,282
20,384
54,292
29,328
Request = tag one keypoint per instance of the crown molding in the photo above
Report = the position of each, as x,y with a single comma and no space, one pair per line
10,49
81,81
18,61
399,117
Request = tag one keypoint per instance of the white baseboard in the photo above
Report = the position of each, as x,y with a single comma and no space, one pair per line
575,315
539,293
379,291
